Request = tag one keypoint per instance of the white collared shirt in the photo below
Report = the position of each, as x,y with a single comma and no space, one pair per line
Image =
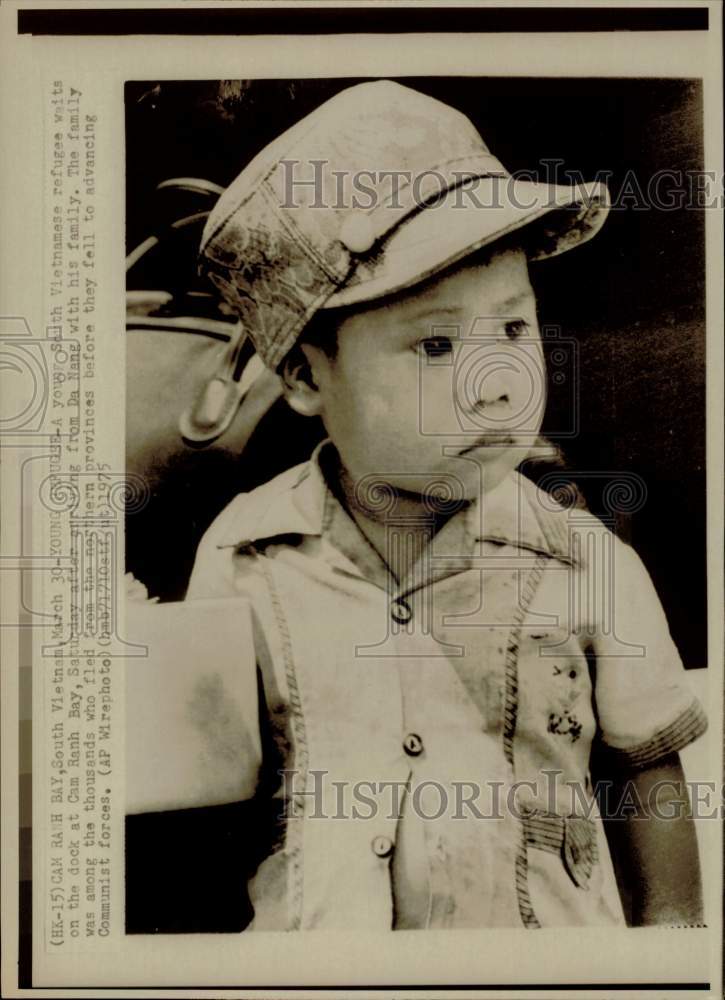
435,732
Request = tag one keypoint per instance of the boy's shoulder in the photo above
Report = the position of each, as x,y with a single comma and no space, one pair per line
560,516
276,507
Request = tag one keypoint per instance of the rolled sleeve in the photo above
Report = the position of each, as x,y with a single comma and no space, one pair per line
646,707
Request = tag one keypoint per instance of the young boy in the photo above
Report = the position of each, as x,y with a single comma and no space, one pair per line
439,646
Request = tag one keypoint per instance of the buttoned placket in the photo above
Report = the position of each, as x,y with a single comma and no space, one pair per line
449,552
430,887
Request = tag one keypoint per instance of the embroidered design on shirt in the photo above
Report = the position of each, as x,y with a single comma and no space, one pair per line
565,725
563,721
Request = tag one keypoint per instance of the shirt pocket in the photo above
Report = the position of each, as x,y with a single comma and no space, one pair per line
572,838
569,880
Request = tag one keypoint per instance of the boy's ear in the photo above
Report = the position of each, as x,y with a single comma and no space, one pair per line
300,388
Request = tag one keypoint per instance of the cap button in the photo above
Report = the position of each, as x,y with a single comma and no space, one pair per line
357,233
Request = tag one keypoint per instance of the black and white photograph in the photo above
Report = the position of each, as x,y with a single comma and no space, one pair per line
404,402
371,485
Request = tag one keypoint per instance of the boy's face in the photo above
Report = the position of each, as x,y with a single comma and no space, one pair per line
440,389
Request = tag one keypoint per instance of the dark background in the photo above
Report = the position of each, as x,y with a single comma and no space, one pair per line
633,299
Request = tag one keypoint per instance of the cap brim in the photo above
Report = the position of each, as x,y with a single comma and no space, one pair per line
438,236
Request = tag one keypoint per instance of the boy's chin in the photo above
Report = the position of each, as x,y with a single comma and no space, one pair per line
449,489
482,470
455,480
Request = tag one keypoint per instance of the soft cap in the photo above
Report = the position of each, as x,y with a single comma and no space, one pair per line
377,189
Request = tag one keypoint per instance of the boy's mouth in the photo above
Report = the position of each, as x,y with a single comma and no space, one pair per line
493,439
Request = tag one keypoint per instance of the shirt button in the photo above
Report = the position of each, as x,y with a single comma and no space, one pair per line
401,612
413,745
382,846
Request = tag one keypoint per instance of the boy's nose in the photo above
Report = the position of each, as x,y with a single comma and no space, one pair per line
491,407
488,393
500,389
489,401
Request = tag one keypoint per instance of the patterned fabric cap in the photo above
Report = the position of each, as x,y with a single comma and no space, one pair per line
377,189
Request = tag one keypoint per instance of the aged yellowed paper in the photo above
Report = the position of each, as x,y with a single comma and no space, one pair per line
136,723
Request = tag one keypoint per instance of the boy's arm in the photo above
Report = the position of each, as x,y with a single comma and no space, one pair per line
646,711
654,848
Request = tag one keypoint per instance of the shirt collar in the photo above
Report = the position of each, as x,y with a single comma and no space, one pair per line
300,502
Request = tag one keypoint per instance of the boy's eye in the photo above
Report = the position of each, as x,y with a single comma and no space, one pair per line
437,347
516,328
